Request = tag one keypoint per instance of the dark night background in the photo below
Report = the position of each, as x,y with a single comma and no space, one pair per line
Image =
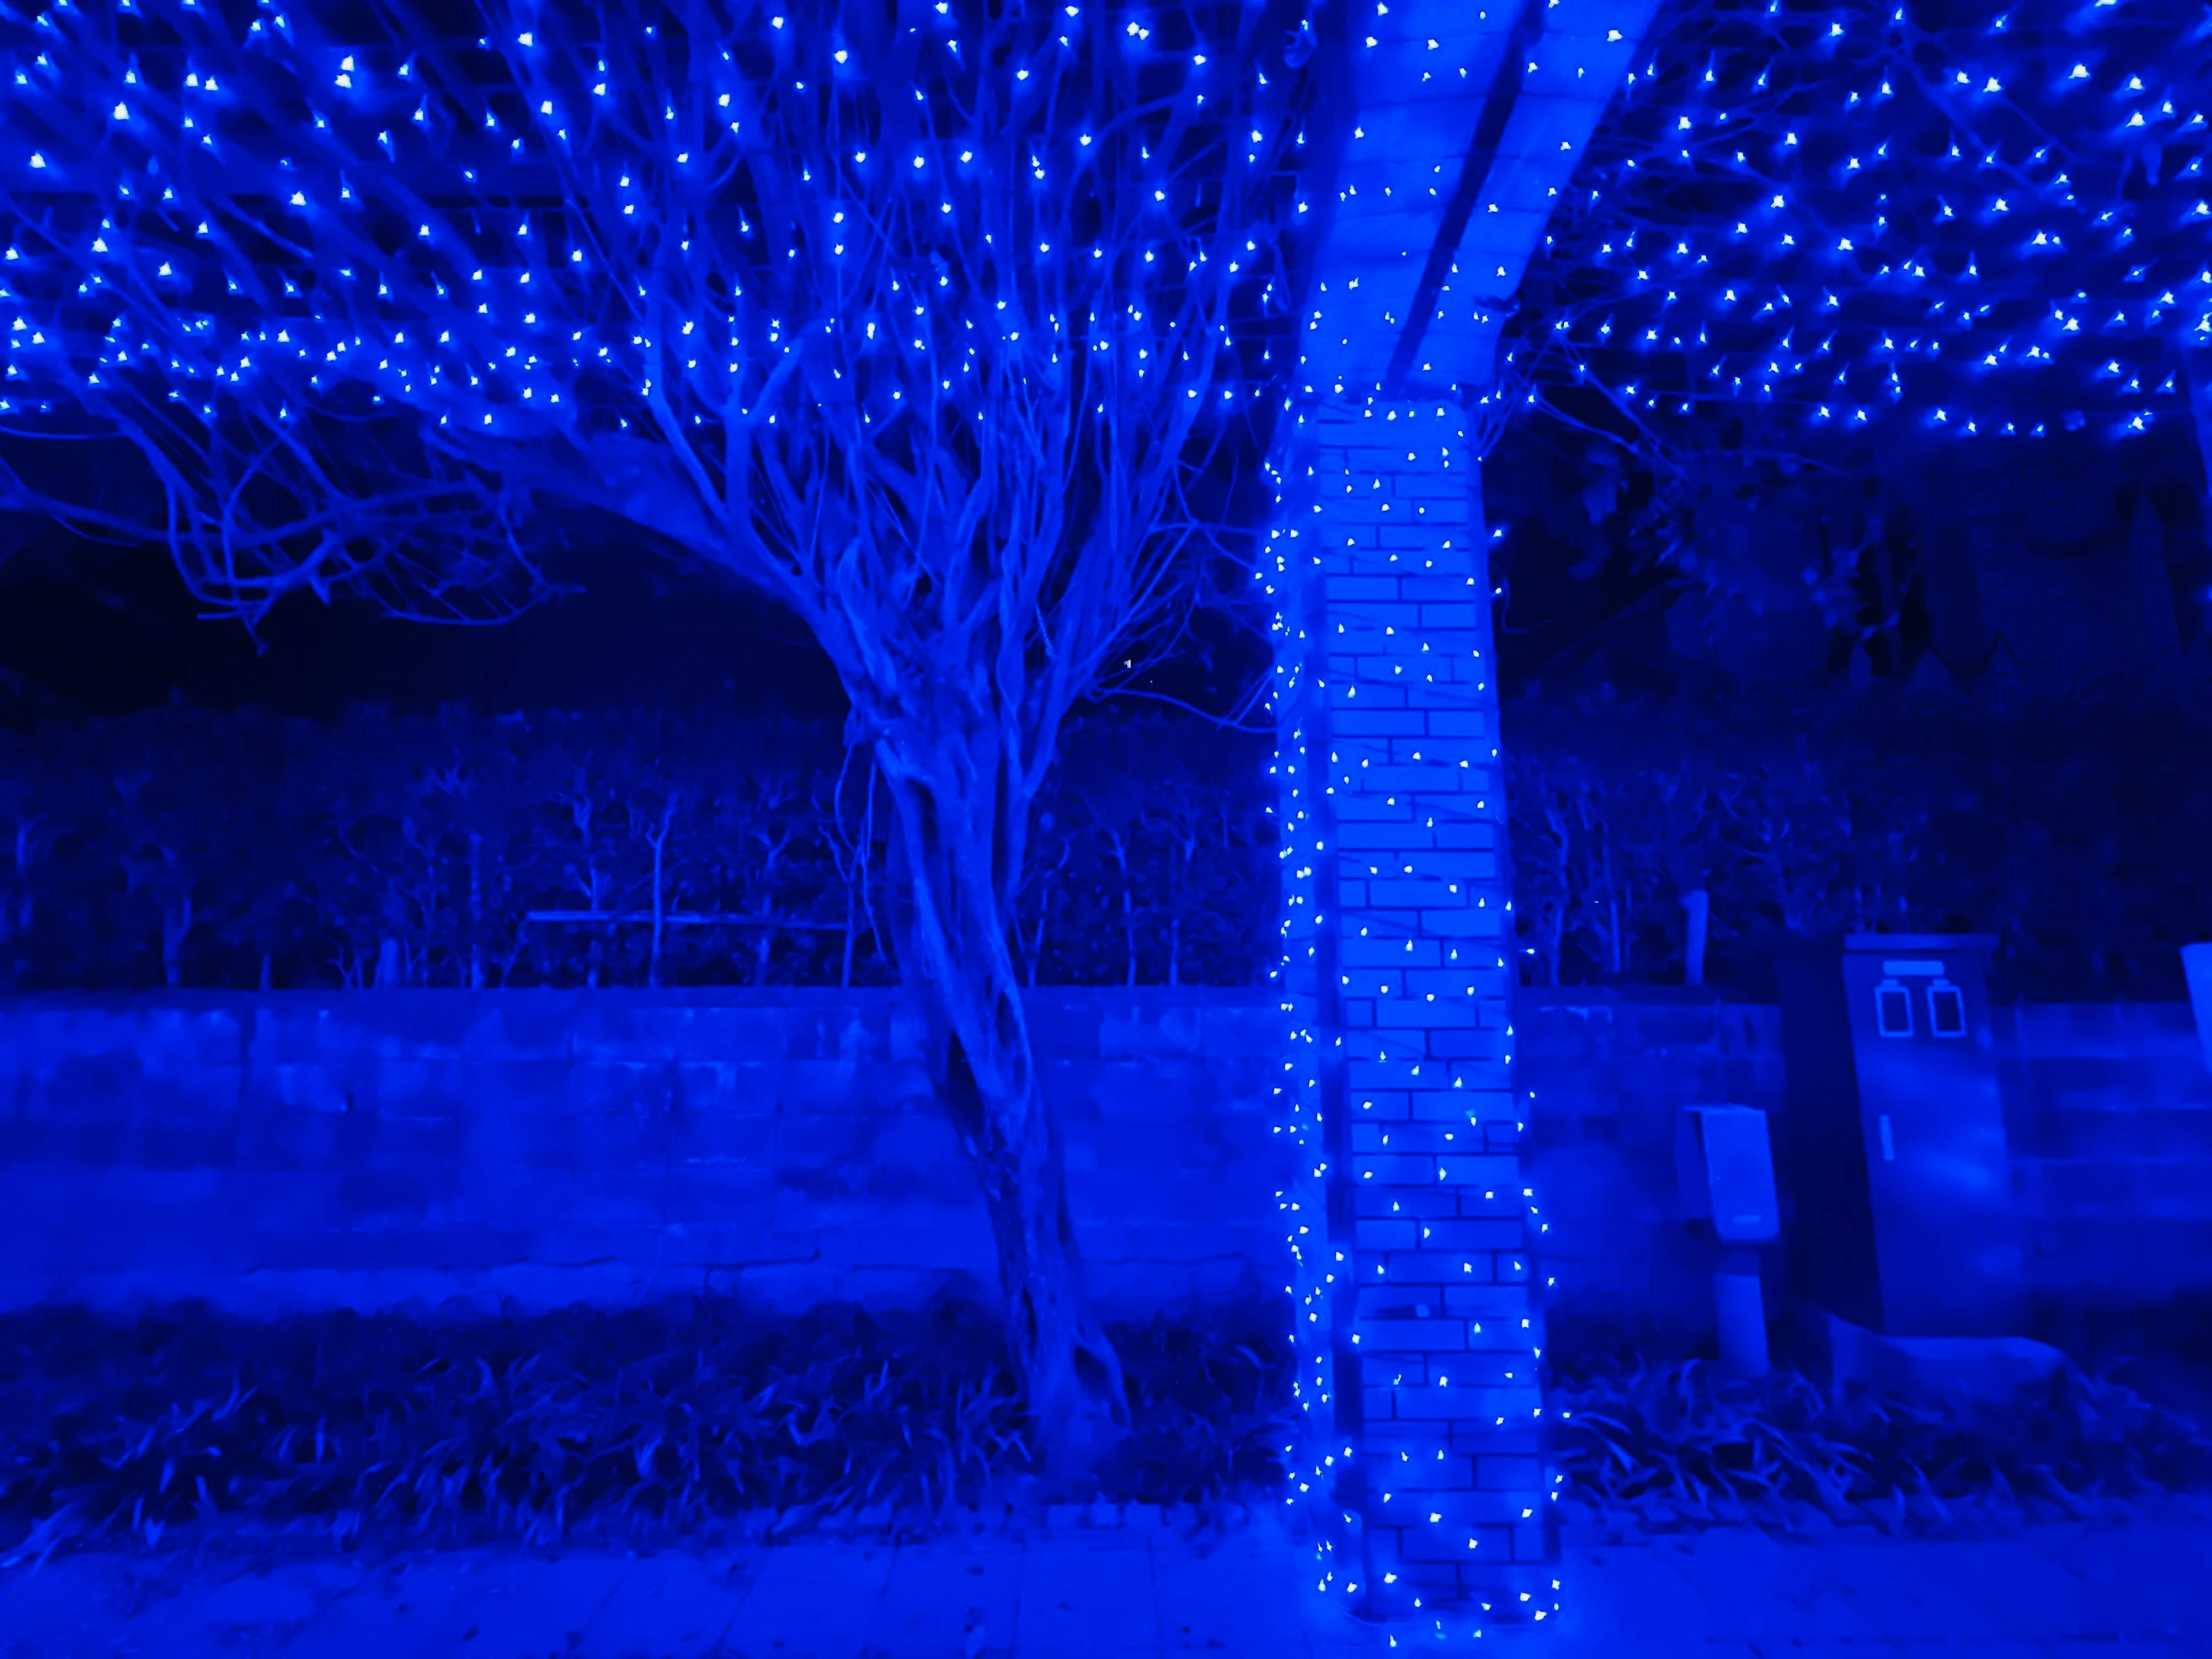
119,633
2031,758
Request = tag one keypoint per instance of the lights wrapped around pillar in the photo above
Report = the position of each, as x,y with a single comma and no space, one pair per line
1412,1231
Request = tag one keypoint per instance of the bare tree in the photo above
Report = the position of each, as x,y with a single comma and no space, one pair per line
922,318
852,855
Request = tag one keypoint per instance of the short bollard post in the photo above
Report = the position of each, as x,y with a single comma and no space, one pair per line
1741,1308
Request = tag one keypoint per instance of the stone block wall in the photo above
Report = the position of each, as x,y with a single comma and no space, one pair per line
1603,1076
2108,1118
299,1149
367,1149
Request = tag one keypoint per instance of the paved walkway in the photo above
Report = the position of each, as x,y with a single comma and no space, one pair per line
2139,1588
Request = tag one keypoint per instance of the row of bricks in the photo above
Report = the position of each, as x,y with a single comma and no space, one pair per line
1499,1133
1446,866
1334,460
1462,1143
1451,662
1355,757
1382,1064
1419,1520
1351,551
1493,1590
1401,496
1454,659
1469,771
1436,1034
1489,985
1392,499
1368,839
1456,1167
1346,474
1438,1353
1411,1089
1365,838
1443,634
1469,1269
1386,876
1472,1405
1413,1457
1471,723
1502,1312
1463,764
1455,680
1435,921
1466,1241
1350,617
1454,1012
1413,534
1465,1548
1395,1445
1371,519
1366,592
1375,948
1406,785
1456,558
1501,1205
1452,1285
1393,1077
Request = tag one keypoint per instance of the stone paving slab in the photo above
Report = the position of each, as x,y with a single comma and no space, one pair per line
2044,1592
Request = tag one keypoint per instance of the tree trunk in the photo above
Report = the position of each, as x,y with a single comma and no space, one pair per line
1118,846
475,911
176,926
2199,381
845,966
947,893
1697,904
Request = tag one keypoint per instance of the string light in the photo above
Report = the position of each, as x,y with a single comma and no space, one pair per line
1363,1099
1404,1121
1953,183
592,316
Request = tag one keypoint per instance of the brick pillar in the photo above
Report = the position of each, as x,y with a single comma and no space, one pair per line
1402,991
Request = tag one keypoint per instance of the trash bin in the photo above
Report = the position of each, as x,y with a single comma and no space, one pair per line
1894,1140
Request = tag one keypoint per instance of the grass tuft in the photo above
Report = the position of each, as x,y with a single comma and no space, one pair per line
529,1428
1629,1430
691,1418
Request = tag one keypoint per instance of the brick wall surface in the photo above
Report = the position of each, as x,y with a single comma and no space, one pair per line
1448,1491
